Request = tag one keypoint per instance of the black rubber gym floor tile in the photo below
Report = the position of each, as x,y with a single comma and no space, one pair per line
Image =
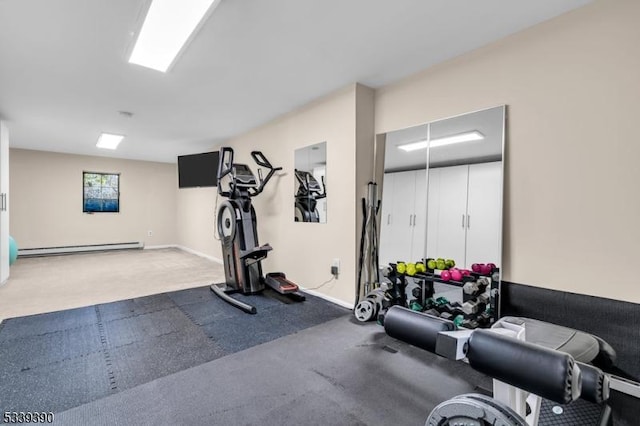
309,409
33,351
55,386
192,295
626,409
272,321
40,324
306,314
263,300
52,362
134,307
233,335
144,361
579,412
208,311
142,327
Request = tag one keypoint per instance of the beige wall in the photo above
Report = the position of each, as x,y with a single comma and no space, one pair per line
573,95
303,251
571,201
196,219
46,201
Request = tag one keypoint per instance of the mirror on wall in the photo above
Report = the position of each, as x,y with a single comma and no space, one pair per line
464,194
310,196
442,201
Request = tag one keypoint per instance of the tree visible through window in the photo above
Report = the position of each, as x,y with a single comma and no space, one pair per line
101,192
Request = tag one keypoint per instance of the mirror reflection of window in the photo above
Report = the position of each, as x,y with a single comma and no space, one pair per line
310,194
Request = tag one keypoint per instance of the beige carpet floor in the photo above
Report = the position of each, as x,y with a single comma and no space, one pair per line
48,284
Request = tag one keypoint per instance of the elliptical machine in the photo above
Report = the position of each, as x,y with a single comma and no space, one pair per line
236,223
306,197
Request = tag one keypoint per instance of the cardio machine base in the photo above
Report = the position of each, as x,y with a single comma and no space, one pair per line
275,280
222,291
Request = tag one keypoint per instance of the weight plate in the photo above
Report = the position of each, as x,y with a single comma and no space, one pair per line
364,311
510,415
473,410
376,296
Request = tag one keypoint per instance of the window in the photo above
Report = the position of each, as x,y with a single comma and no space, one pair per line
101,192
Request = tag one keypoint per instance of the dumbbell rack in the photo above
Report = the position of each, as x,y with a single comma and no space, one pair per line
427,279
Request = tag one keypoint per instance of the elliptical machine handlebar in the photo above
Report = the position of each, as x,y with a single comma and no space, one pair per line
225,167
306,184
261,160
324,190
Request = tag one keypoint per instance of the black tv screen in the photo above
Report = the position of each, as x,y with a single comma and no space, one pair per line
198,170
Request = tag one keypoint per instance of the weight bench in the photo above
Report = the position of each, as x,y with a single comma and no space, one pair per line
527,359
583,347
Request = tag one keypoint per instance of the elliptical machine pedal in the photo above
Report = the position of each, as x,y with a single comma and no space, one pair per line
279,282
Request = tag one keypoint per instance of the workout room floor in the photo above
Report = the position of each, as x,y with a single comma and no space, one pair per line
54,283
176,358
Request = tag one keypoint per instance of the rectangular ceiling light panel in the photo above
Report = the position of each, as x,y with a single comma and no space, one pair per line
167,27
109,141
447,140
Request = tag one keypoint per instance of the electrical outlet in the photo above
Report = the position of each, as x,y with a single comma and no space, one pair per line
335,267
149,233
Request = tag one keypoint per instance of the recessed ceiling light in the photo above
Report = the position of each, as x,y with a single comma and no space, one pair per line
166,29
447,140
109,141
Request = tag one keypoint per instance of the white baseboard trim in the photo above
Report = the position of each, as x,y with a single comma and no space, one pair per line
161,246
198,253
49,251
328,298
215,259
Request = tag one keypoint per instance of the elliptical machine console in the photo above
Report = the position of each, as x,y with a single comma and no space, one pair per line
236,223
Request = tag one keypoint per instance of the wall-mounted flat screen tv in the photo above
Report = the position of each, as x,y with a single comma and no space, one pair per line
198,170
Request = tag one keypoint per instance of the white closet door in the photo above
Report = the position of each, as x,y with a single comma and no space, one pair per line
433,212
452,209
402,215
418,246
484,213
4,202
386,232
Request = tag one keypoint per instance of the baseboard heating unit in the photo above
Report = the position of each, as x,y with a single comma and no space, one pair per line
52,251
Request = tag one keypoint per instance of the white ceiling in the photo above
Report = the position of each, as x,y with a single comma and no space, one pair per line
64,74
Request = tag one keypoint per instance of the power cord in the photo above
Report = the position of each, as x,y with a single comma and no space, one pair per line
321,285
215,216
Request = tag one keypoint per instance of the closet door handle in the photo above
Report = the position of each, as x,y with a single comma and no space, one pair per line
414,220
389,219
468,221
463,221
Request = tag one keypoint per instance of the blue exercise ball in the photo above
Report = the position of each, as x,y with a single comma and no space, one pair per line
13,250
